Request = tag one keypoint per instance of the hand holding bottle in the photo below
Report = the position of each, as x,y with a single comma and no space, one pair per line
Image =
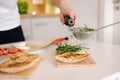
68,17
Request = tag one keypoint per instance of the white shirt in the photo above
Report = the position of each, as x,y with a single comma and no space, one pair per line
9,15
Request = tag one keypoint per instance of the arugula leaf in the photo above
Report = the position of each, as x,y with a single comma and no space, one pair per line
64,47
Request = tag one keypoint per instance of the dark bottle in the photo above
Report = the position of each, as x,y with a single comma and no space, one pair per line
69,21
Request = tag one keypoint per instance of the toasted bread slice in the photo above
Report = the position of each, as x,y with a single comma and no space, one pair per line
19,62
70,57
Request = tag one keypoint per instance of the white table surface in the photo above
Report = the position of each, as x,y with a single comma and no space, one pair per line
106,56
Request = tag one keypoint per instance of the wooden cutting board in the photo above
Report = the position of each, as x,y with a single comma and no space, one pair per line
87,62
21,75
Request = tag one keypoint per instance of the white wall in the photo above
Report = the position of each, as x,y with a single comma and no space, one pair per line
108,19
116,28
109,15
87,11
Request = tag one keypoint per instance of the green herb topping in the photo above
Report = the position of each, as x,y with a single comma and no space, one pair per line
83,29
64,47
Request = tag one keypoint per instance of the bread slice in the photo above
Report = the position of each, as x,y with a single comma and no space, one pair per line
19,62
70,57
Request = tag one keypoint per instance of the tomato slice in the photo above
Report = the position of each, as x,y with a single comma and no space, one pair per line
20,50
1,52
5,52
1,49
12,50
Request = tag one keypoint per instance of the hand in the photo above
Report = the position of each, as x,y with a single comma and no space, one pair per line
68,12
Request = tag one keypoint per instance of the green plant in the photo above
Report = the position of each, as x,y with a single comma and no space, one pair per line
51,5
23,6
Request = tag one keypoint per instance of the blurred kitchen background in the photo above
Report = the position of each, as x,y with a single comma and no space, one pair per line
40,18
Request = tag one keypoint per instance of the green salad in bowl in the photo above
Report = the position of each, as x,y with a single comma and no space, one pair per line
83,33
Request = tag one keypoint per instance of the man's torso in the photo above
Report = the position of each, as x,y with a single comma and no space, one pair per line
9,16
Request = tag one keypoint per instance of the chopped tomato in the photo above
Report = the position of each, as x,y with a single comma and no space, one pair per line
12,50
6,48
5,52
20,50
1,49
1,52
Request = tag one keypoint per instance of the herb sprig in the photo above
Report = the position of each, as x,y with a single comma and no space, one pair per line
64,47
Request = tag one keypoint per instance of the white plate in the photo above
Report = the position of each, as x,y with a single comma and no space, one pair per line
31,46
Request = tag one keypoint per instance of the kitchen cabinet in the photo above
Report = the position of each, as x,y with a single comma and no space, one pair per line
26,26
39,28
48,27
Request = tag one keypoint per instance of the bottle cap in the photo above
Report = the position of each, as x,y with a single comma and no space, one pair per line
69,21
